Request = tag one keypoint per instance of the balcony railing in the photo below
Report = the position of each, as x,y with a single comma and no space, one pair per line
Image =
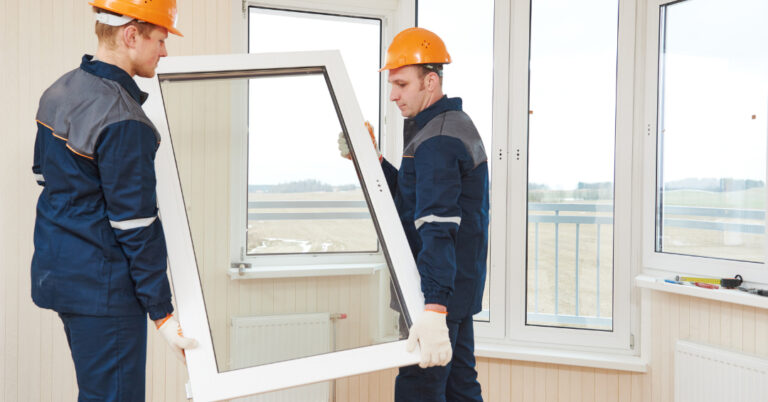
576,217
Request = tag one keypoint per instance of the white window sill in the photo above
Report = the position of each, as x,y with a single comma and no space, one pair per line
656,282
564,357
298,271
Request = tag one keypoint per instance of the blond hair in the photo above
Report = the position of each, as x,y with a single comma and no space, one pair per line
106,33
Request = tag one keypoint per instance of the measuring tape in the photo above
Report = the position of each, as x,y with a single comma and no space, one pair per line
725,282
713,281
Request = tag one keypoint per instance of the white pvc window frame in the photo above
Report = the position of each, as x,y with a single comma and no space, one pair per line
491,323
675,264
619,340
206,382
393,19
395,15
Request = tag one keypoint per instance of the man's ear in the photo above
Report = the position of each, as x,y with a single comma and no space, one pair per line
128,36
432,80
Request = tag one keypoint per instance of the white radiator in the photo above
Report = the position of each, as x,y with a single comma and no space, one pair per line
267,339
707,374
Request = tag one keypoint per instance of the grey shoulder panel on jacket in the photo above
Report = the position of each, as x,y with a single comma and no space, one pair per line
456,124
79,106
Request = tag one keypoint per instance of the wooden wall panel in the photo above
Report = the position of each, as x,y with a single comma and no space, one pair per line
674,317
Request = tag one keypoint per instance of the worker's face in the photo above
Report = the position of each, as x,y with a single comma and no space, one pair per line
148,51
409,91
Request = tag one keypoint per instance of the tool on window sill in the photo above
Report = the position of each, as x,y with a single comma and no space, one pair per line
692,279
730,283
727,283
674,282
759,292
706,285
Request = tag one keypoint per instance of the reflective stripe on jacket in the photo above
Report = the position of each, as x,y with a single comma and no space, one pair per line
99,246
441,195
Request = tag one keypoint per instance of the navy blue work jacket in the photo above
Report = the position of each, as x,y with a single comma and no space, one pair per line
99,245
441,195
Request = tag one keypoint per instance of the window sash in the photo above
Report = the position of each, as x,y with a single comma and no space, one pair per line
674,264
208,383
394,17
618,340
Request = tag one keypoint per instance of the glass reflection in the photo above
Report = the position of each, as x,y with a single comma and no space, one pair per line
292,130
302,197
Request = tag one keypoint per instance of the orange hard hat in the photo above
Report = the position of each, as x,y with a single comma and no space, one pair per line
416,46
159,12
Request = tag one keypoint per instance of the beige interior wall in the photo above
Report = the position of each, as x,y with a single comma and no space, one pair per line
39,41
42,39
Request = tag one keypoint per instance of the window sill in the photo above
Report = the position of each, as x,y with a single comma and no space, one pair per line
298,271
655,282
564,357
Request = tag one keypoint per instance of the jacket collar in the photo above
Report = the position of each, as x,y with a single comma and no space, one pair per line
114,73
443,105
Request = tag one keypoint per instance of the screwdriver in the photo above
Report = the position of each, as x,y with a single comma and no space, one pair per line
761,292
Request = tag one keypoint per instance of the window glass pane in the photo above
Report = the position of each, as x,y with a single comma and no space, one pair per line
467,30
571,141
260,321
713,100
358,39
302,196
313,203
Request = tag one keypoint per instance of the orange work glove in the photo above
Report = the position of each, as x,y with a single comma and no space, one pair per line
170,329
344,146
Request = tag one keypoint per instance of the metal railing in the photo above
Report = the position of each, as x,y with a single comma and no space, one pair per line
579,215
538,214
308,205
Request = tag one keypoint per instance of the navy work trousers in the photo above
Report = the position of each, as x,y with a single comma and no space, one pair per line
110,355
455,382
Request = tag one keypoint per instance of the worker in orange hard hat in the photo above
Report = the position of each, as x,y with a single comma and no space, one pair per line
100,255
441,195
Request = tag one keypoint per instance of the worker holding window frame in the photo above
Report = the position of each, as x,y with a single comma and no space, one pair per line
441,195
100,254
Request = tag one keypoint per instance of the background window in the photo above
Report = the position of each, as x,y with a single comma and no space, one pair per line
467,30
313,202
713,86
571,141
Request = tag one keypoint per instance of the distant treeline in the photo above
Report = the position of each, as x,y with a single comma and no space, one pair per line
301,186
716,185
583,192
604,190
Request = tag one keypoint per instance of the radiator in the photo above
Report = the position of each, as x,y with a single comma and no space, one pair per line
707,374
259,340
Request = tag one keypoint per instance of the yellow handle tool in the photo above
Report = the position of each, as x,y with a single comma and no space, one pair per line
714,281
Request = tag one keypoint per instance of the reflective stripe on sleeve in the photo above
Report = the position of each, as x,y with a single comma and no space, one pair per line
39,178
132,223
434,218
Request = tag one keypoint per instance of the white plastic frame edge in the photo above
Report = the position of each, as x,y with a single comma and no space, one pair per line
207,383
675,263
616,341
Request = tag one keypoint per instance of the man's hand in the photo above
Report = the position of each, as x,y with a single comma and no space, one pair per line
431,332
344,146
171,330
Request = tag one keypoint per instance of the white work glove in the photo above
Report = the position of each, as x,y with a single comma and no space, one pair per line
431,332
171,331
344,147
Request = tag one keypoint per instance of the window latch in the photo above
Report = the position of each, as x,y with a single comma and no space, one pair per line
241,267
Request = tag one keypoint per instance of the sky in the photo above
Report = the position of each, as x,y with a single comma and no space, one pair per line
715,80
295,120
572,86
